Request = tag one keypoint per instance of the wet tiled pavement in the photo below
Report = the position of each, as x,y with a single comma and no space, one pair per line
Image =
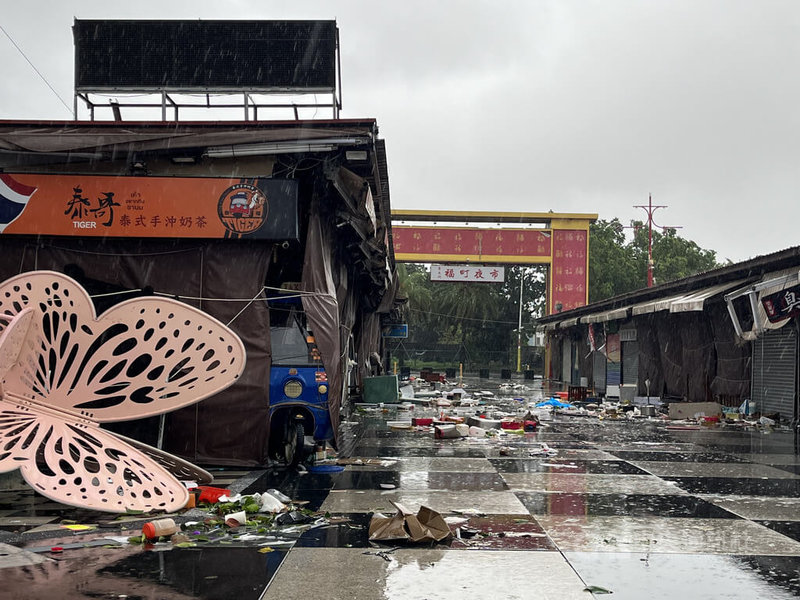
629,506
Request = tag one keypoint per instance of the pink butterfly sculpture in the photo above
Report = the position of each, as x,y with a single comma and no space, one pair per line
63,370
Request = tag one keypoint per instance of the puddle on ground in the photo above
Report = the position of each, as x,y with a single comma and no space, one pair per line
633,505
670,576
129,571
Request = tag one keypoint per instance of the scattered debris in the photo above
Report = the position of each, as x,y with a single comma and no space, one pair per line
596,589
426,525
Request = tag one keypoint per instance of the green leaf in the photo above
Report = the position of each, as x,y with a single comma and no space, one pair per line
596,589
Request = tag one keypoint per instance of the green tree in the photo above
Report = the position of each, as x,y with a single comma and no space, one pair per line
673,256
481,317
612,263
617,266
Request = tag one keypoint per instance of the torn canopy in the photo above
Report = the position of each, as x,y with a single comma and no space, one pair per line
322,309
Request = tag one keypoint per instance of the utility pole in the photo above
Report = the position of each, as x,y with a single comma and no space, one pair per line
650,209
519,323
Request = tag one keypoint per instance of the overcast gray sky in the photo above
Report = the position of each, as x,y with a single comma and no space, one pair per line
530,105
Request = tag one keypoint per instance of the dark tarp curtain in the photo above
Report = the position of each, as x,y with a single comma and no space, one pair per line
555,358
111,138
677,353
649,355
228,428
732,377
348,303
232,427
369,335
585,358
671,343
322,308
699,360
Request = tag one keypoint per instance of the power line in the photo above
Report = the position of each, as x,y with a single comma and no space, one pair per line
52,89
427,312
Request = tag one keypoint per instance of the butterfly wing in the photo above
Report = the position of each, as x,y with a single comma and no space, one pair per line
16,331
181,469
143,357
76,463
19,431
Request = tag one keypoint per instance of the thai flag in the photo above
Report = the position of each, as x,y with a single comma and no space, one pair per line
13,198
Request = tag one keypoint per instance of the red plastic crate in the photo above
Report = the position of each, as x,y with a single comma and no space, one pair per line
211,494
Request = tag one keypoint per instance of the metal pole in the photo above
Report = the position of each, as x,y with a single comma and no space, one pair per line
650,222
519,323
650,240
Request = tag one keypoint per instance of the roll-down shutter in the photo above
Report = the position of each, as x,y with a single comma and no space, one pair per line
599,372
630,363
774,371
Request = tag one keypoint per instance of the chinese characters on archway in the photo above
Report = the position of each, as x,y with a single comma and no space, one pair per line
569,269
430,242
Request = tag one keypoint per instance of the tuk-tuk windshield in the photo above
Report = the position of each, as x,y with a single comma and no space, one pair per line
289,347
290,341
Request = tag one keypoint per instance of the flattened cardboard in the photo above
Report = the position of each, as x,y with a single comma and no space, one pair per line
426,526
689,410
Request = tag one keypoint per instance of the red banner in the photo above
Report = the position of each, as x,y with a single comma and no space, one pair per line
462,243
569,269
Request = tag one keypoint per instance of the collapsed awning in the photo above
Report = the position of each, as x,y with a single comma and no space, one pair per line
770,284
686,302
652,306
696,300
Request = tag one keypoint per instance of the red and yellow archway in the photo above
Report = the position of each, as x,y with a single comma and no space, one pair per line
561,243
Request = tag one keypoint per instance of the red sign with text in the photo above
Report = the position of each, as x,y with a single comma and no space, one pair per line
569,269
429,243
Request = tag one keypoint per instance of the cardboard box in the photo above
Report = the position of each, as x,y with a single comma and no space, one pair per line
692,410
425,526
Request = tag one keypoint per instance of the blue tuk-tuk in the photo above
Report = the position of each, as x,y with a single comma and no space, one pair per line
298,393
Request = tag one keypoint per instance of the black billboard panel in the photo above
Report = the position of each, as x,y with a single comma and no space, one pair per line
149,55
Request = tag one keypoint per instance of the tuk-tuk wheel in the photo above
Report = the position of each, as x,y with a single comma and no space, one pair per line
293,443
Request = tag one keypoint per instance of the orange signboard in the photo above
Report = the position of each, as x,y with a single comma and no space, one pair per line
148,207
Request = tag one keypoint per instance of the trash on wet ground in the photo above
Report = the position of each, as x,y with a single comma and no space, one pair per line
376,462
425,526
267,519
596,589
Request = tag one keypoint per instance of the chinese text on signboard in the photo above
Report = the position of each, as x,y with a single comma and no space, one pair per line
476,273
569,268
148,207
430,242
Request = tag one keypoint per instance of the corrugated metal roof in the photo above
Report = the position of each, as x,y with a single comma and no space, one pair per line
747,271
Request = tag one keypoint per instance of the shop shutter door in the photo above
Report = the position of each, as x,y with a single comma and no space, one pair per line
774,371
566,361
612,373
630,363
599,372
